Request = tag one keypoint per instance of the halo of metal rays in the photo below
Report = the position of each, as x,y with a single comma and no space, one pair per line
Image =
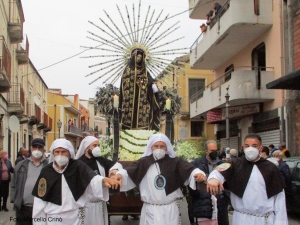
147,33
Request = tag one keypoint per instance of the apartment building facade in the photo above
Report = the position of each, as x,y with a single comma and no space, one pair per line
291,76
23,93
66,114
243,45
187,82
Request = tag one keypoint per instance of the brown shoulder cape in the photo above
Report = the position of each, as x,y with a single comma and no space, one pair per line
78,176
237,176
175,170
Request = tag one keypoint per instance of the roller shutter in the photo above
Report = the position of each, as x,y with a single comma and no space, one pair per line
234,142
270,137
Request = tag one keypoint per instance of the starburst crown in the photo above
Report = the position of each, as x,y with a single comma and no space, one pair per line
148,37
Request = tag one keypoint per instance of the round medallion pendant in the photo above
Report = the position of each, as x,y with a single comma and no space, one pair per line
160,182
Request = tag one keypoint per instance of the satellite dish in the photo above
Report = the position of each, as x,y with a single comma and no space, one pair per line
36,100
14,124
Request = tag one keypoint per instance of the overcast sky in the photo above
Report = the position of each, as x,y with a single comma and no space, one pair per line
57,28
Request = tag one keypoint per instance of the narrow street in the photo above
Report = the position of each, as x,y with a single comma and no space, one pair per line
6,218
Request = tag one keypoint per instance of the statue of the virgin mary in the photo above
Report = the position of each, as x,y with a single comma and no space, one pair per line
138,95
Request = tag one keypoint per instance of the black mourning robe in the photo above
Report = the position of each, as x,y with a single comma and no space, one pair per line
175,170
238,174
140,107
92,163
78,176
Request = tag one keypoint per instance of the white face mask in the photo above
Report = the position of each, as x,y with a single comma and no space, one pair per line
96,152
36,154
251,153
61,160
159,154
277,159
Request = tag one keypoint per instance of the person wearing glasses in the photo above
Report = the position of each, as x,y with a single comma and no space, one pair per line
26,173
208,209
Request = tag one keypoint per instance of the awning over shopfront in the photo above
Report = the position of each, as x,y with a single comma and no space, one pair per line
290,81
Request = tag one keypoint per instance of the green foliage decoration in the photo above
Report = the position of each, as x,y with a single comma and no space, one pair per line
172,94
104,98
106,146
190,149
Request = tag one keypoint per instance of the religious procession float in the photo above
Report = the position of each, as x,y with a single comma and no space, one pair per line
137,57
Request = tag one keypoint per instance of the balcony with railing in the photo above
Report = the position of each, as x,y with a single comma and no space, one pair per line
22,52
34,114
16,99
86,130
5,66
236,25
16,20
245,87
44,122
72,131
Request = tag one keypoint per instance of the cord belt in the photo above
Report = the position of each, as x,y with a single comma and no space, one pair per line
266,215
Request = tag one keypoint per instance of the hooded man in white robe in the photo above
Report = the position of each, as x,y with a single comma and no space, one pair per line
257,190
64,186
159,174
89,152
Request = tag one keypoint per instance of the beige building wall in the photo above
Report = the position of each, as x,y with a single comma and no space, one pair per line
274,55
25,88
180,81
61,107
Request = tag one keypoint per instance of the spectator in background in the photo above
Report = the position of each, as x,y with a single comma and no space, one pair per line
216,7
209,16
208,209
69,124
273,160
283,167
27,172
264,152
241,152
234,153
284,150
5,170
222,154
272,149
23,154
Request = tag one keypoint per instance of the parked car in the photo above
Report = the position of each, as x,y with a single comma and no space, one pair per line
293,191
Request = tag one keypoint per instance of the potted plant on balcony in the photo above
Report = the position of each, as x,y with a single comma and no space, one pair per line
203,28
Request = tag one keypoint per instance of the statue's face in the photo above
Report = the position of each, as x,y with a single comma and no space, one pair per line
139,58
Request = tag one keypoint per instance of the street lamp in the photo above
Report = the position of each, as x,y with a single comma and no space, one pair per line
59,123
227,120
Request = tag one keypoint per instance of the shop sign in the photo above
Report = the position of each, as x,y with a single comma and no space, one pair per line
216,115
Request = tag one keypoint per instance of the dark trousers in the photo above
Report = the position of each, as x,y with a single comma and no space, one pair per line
24,216
222,203
4,189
